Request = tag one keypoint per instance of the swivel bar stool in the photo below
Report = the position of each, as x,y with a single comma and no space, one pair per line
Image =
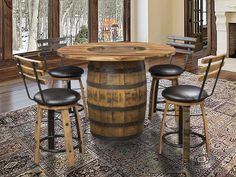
183,45
52,99
48,48
185,96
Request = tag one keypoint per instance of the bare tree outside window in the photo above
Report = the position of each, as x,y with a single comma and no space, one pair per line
30,23
74,20
110,20
204,12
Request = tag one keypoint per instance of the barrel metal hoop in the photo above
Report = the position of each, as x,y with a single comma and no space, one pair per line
116,70
116,87
117,109
118,125
162,110
123,138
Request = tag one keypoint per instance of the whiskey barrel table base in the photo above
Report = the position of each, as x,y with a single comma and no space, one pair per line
116,99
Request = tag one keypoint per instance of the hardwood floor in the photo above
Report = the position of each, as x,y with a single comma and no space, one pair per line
13,95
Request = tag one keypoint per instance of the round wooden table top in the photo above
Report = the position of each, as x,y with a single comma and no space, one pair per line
116,51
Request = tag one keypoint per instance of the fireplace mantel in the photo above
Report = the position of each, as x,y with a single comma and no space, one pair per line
225,13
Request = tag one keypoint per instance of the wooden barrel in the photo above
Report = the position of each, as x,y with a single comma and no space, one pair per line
116,99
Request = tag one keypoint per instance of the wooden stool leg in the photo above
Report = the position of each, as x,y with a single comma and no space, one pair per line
68,138
79,130
52,83
151,100
186,133
156,95
37,135
176,114
64,84
162,127
205,127
174,83
83,98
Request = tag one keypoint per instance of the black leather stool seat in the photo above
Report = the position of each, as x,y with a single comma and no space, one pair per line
57,97
166,70
66,72
184,93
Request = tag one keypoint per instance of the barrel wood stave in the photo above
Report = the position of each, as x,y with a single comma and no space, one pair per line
116,98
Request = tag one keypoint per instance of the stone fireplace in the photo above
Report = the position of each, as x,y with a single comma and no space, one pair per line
226,26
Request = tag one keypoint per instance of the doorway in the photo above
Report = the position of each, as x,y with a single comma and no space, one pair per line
200,23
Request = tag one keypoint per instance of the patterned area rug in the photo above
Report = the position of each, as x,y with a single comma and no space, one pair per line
134,158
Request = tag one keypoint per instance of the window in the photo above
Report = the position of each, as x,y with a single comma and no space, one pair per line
204,12
110,20
31,18
30,23
74,20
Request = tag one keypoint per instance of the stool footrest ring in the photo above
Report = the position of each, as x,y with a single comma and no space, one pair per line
161,101
56,150
162,110
181,145
81,107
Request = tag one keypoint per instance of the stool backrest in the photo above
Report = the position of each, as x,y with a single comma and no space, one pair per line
48,48
212,69
31,69
183,45
52,44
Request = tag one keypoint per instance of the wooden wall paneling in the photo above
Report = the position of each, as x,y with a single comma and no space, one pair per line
186,18
6,29
53,18
93,20
1,29
212,34
126,20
